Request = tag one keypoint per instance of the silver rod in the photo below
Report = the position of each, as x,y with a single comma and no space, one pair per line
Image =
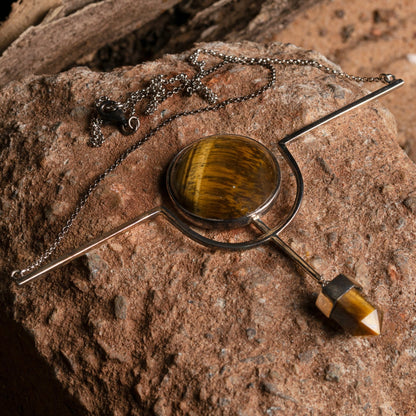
290,252
66,258
369,97
263,227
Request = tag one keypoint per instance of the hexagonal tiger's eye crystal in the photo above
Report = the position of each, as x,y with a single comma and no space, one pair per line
342,301
224,178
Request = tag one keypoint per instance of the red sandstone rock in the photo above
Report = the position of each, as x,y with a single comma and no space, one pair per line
152,322
381,39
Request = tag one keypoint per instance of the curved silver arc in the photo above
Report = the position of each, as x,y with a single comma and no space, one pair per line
181,226
299,189
208,242
267,234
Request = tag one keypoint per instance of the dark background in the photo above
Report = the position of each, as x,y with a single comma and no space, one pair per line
5,8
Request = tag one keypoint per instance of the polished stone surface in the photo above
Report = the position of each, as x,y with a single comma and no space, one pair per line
342,301
224,177
355,314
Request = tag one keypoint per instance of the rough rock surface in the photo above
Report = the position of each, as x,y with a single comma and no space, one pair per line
152,323
364,38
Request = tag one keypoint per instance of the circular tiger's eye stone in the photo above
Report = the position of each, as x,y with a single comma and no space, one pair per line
224,178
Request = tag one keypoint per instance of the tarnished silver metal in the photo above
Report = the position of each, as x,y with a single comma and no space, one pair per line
290,252
334,290
269,234
131,126
180,225
112,112
388,78
159,89
21,280
355,104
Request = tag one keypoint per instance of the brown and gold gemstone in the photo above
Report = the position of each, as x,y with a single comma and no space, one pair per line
224,178
342,301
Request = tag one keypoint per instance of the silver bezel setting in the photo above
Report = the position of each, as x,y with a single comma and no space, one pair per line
215,222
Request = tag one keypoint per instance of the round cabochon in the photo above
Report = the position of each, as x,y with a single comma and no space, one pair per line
223,179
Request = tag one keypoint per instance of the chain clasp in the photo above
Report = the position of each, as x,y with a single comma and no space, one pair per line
111,112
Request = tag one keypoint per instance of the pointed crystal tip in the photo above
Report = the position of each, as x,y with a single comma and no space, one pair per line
342,301
354,313
373,322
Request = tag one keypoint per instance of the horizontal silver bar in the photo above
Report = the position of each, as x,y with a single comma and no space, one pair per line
369,97
66,258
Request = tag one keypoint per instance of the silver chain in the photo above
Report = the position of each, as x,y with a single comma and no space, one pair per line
161,88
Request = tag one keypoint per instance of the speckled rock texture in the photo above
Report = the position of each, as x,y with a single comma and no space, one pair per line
364,38
154,324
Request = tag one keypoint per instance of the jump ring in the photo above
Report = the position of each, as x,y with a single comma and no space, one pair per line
16,274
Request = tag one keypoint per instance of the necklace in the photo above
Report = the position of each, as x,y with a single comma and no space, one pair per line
196,178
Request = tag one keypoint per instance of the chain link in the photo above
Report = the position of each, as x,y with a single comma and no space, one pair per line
161,88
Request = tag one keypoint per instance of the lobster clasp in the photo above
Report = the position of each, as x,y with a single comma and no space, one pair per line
111,112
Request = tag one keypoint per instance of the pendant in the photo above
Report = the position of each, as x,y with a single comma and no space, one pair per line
229,180
232,180
341,300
